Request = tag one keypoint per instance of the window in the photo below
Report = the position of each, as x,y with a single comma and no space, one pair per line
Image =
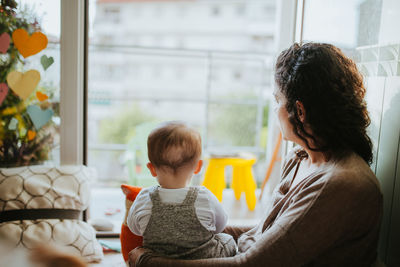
180,72
215,11
186,68
159,41
157,72
367,32
106,39
30,138
237,75
136,12
112,14
158,11
181,11
192,68
240,10
269,12
180,42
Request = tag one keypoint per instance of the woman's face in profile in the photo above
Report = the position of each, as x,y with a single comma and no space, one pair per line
283,117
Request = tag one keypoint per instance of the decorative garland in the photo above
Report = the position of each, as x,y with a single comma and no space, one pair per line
26,128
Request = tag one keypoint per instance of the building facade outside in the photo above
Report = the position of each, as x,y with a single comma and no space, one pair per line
205,62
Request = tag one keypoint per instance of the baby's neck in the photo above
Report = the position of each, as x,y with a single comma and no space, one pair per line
167,186
173,181
170,184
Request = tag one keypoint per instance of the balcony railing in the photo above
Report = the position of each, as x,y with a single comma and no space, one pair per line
120,56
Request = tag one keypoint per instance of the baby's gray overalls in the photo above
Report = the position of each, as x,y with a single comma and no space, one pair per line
175,231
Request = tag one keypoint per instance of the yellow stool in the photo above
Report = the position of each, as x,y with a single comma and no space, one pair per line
242,178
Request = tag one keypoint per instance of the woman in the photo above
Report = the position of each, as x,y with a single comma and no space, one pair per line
328,207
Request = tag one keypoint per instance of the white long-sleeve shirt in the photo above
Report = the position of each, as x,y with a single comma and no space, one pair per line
209,210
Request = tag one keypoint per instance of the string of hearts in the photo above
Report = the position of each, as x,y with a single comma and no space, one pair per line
23,84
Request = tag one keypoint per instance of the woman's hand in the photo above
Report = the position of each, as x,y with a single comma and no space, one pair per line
135,254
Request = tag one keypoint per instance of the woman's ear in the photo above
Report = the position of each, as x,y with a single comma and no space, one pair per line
152,169
198,167
301,111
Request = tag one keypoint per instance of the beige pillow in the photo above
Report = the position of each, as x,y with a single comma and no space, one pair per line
55,196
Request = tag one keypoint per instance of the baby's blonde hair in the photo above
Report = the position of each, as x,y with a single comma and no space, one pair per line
173,145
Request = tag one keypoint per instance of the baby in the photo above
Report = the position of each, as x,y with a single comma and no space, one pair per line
177,220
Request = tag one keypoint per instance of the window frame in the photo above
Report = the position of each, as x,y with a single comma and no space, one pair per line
289,20
73,76
73,51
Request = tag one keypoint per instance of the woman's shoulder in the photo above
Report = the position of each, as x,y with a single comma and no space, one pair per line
346,184
354,175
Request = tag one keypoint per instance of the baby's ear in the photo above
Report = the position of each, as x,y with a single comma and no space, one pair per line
152,169
198,167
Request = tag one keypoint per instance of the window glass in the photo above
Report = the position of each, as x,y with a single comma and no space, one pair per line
368,32
182,67
29,82
195,61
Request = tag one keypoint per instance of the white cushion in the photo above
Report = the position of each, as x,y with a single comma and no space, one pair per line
44,187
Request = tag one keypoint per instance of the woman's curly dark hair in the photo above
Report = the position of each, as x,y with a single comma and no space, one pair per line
332,92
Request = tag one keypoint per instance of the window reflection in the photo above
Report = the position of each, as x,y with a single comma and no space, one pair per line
368,32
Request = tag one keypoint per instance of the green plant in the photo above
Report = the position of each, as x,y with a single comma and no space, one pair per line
235,125
120,128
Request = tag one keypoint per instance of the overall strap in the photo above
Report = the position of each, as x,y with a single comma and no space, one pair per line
191,196
154,195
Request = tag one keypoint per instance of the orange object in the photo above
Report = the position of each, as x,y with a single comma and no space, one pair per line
31,135
41,96
29,45
128,239
271,163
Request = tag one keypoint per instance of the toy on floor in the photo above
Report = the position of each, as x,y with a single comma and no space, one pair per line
129,240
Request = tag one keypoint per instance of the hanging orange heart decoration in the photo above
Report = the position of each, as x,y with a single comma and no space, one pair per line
41,96
31,135
29,45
